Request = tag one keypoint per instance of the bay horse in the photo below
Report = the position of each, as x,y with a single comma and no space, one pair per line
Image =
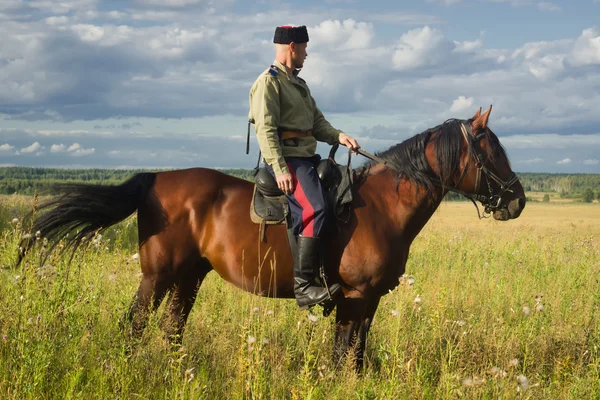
196,220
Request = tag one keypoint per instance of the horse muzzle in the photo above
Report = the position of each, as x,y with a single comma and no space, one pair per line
511,211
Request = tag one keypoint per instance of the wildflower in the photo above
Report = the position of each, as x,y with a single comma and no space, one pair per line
539,307
460,323
38,234
189,374
27,236
497,372
538,299
17,277
417,300
513,363
395,313
30,321
15,221
312,318
5,338
526,310
470,382
251,340
523,383
255,309
136,256
270,312
22,298
467,382
265,341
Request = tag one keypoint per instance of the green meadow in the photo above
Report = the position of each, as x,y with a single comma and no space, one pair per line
487,310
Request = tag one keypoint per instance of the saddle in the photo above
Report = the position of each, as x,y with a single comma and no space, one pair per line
270,207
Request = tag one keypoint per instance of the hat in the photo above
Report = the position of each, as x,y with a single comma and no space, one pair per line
288,34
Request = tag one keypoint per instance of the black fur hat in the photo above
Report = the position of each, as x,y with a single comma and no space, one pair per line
288,34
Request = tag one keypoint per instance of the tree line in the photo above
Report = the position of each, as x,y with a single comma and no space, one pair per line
29,181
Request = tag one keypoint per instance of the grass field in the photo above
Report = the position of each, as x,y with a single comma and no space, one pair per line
506,310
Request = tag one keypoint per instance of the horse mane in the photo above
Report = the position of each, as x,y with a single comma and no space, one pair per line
409,160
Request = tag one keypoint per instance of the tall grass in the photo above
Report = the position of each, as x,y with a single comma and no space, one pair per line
490,310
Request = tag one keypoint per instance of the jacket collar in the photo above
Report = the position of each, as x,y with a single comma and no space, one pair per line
283,69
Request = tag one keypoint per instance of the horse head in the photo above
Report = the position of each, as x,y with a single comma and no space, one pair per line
485,173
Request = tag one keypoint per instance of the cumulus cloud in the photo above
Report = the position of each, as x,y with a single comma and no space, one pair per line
591,162
462,104
565,161
6,147
419,48
36,146
586,50
57,148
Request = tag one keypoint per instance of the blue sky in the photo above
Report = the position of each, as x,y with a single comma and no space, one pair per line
164,83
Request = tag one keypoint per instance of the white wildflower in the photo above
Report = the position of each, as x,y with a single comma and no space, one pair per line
15,221
523,383
526,310
136,256
539,308
395,313
417,300
312,318
514,362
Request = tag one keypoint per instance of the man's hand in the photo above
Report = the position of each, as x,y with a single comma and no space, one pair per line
349,142
286,183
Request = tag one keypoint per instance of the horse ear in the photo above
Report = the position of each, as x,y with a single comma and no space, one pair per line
477,114
482,120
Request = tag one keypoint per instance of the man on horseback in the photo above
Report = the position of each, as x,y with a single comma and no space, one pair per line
288,124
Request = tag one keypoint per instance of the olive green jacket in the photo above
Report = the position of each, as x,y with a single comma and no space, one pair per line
282,100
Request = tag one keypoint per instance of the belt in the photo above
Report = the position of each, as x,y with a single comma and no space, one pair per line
294,134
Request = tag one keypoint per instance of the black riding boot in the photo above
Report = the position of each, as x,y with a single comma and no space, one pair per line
305,271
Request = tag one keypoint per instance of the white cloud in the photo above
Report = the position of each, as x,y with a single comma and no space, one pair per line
535,160
587,48
418,48
591,162
551,141
445,2
342,35
74,147
169,3
57,148
6,147
547,6
83,152
462,104
35,147
565,161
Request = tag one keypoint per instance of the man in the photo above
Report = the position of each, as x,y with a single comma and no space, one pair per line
288,125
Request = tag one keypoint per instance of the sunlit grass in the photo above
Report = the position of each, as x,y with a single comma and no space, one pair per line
489,310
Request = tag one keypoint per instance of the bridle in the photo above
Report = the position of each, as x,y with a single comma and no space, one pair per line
493,201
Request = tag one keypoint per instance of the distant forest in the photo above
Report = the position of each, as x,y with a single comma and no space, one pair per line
29,181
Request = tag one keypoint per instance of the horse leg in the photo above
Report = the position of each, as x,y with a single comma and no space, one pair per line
150,294
353,320
363,330
181,300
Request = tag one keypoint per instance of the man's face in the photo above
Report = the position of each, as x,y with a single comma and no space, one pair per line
298,54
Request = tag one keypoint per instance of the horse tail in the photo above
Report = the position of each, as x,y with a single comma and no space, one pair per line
83,210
